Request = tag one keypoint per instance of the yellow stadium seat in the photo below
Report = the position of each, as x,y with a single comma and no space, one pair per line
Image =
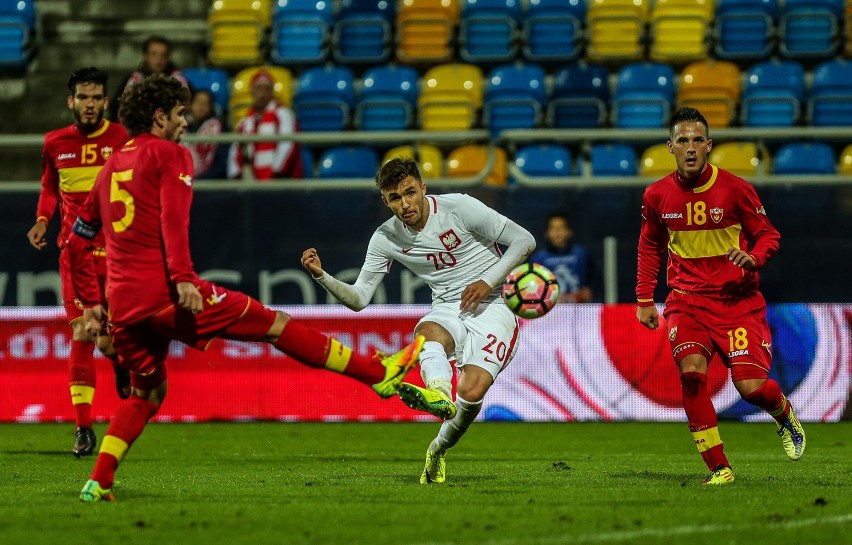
616,30
472,160
713,87
425,31
680,30
657,162
846,161
429,158
235,31
241,97
741,158
450,97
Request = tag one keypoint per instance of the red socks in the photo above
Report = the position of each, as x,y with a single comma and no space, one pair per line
769,398
126,426
81,380
702,419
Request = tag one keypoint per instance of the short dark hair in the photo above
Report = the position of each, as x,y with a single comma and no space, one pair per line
558,216
685,113
156,39
395,171
90,74
141,100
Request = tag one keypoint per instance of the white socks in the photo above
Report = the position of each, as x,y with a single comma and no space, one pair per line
435,368
452,430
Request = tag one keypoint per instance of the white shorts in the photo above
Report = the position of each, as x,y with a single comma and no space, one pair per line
487,338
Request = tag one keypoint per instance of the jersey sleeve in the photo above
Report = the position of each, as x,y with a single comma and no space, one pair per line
652,246
479,218
378,258
175,183
766,238
49,195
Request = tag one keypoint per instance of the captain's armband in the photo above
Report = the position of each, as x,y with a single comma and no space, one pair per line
83,229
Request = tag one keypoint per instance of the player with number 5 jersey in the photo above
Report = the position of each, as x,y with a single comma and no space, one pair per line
452,242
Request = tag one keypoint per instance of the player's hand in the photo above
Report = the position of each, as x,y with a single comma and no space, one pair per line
95,320
189,298
311,262
648,316
36,235
741,259
474,294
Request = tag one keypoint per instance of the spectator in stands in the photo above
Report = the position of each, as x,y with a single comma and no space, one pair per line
208,159
574,268
273,159
156,59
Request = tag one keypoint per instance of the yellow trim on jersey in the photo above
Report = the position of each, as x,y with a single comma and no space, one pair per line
115,446
710,182
704,243
78,179
100,131
81,393
706,439
338,356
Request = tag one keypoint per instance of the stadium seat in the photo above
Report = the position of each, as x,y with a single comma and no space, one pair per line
363,31
745,29
17,33
579,97
325,98
846,161
644,94
426,31
740,158
613,159
616,30
472,160
308,165
804,158
301,31
450,97
429,158
241,98
830,99
212,79
348,162
680,30
544,160
487,30
773,92
387,99
713,87
514,98
236,29
848,30
810,29
657,162
552,30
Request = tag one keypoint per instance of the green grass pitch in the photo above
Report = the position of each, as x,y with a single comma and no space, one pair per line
339,483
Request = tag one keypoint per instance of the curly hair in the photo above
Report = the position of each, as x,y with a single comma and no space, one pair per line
141,100
395,171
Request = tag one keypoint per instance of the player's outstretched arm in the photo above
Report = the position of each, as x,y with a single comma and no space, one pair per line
311,262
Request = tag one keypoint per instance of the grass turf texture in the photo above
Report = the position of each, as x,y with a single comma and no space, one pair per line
358,483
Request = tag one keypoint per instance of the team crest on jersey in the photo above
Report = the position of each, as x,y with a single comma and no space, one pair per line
450,240
106,151
716,214
673,333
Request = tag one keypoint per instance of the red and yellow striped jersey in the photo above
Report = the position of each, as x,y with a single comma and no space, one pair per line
697,224
71,161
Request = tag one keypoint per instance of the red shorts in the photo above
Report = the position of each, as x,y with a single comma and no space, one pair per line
73,307
735,329
143,346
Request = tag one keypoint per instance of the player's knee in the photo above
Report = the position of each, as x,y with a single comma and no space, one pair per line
277,327
104,343
79,332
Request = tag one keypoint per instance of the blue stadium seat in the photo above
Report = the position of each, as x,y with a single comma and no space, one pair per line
307,161
363,31
773,93
613,159
745,29
553,30
487,30
809,29
804,158
544,160
579,97
644,94
830,101
514,98
17,33
348,162
301,31
388,99
325,98
214,80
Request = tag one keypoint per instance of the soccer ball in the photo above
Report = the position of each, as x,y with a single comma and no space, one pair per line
530,290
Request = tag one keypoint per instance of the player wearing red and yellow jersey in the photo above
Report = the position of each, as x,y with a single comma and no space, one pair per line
141,201
717,235
72,157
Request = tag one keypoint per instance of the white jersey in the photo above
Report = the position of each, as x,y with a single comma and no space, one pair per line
454,249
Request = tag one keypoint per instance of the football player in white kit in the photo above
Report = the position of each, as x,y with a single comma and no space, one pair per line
451,242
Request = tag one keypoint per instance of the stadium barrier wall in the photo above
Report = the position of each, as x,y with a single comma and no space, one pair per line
579,363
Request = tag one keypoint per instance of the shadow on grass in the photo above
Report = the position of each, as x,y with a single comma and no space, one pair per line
38,453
